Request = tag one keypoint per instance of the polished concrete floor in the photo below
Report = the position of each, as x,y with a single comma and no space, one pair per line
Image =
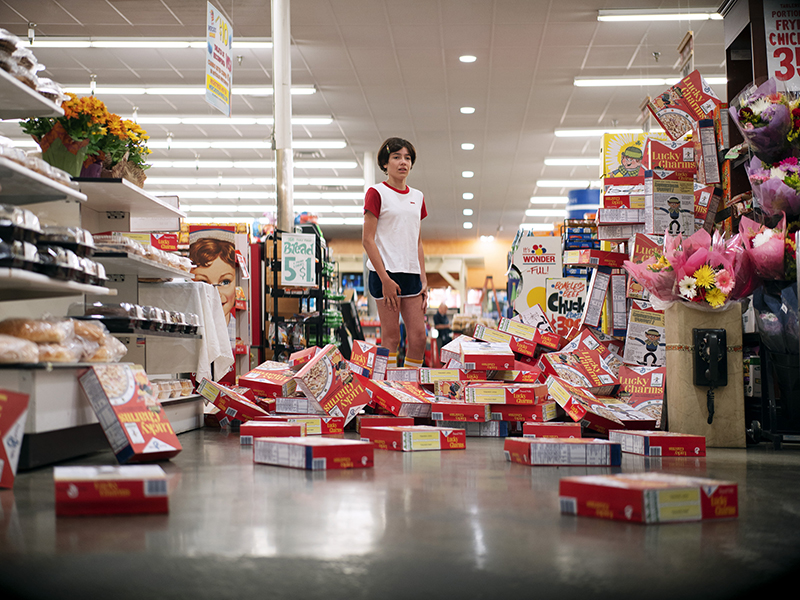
455,524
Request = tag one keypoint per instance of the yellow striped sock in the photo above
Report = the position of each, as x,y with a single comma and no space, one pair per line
413,364
392,360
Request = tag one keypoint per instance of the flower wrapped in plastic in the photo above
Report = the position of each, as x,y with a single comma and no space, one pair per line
776,187
763,116
765,246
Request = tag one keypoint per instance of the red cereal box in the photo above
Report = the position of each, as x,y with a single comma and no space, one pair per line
583,368
314,454
582,406
110,490
429,376
13,413
231,405
452,350
660,443
648,497
689,100
563,452
505,393
486,355
401,398
318,424
594,258
412,439
520,413
551,430
370,357
549,340
129,413
270,379
409,374
524,374
628,415
382,421
669,155
623,192
460,411
518,345
254,429
301,357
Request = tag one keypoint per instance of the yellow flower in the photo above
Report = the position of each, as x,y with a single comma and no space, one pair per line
715,297
705,276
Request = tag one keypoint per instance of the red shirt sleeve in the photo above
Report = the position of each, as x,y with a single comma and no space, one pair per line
372,202
424,211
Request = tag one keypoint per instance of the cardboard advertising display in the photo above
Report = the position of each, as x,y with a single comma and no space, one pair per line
373,358
270,379
551,430
231,404
13,413
669,202
110,490
621,154
670,156
400,398
313,454
648,498
583,368
582,406
520,413
641,247
566,297
536,258
505,393
382,421
689,100
623,192
486,355
563,452
129,413
645,345
254,429
460,411
659,443
488,429
413,439
535,317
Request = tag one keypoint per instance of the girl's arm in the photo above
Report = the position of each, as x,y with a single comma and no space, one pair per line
390,288
422,275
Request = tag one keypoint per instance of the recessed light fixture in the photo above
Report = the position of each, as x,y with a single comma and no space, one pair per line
467,225
549,199
487,238
568,183
662,14
467,195
468,58
639,81
467,212
467,174
544,212
537,226
467,110
577,161
467,146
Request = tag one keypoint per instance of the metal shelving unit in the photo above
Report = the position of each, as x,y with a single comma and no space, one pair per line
21,185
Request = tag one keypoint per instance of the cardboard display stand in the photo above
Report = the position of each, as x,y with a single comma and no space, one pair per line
686,403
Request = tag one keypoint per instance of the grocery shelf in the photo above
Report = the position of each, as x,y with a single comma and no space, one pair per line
18,101
21,185
125,263
122,195
180,399
150,333
16,284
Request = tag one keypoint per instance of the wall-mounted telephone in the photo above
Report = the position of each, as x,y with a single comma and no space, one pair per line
710,362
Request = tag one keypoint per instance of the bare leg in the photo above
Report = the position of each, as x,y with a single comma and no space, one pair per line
390,326
414,318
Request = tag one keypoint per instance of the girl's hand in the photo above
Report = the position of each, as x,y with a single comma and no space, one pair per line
424,298
391,290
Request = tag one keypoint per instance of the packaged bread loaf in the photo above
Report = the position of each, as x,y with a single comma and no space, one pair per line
111,350
90,330
42,331
60,353
15,350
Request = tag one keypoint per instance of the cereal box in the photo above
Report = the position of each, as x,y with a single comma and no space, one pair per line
689,100
660,443
231,405
412,439
382,421
410,374
254,429
505,393
270,379
535,317
624,192
129,413
642,247
670,156
521,413
449,390
617,305
452,350
595,258
627,415
401,398
705,152
460,411
648,497
621,154
313,424
669,202
488,429
523,373
110,490
313,454
518,345
486,355
707,199
583,368
618,233
299,405
536,258
563,452
301,357
373,358
535,429
645,343
582,406
429,376
551,341
566,298
619,216
13,413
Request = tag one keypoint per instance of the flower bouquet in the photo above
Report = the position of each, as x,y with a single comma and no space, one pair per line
765,247
776,187
763,116
121,152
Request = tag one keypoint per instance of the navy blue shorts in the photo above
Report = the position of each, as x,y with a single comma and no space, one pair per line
410,284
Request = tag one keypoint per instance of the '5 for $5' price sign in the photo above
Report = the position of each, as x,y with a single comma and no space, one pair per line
297,260
782,32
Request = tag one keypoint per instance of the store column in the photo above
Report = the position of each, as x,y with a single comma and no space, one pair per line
282,112
369,181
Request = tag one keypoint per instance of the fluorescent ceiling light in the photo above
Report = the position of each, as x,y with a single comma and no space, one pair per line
487,238
108,90
583,207
246,181
467,110
205,120
537,226
549,200
135,43
577,184
595,131
259,208
662,14
468,58
467,146
248,164
467,174
467,212
467,195
544,212
639,81
218,220
359,221
467,225
572,162
308,144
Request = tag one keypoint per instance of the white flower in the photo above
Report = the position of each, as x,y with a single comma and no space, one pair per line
762,238
688,287
777,173
759,105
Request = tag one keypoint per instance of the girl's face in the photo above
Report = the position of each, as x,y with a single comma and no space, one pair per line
399,164
223,277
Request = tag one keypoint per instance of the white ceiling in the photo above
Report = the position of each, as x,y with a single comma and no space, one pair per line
386,68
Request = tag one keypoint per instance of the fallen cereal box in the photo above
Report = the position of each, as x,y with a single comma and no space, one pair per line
460,411
13,413
543,411
314,454
401,398
660,443
382,421
270,379
582,406
487,429
486,355
110,490
253,429
412,439
563,452
233,405
551,430
505,393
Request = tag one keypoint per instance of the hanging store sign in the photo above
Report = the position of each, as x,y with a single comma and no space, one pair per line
782,32
298,260
219,60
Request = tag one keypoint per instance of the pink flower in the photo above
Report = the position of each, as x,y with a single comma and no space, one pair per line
724,281
749,126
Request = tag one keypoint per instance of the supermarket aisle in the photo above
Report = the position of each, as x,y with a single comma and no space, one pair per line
447,524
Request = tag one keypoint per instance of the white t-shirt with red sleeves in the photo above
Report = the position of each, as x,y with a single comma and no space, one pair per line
399,217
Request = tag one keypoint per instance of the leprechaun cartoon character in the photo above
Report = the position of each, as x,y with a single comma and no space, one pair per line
651,342
631,163
674,211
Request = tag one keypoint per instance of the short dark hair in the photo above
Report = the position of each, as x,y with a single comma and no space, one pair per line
393,144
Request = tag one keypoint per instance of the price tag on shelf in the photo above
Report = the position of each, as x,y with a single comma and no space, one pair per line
297,260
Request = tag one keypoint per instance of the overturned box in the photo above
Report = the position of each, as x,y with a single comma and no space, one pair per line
314,454
563,452
660,443
110,490
412,439
551,430
254,429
